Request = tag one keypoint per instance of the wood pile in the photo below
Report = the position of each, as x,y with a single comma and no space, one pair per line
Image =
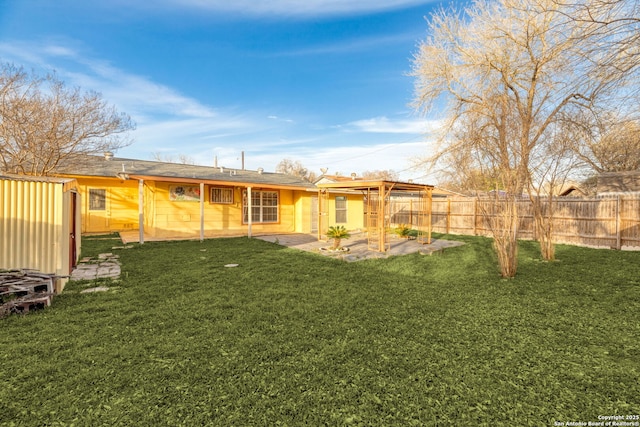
22,291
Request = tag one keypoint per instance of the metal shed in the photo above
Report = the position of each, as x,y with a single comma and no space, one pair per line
39,225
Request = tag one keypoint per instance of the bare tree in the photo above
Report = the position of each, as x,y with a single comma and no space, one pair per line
613,27
607,143
508,69
44,124
181,158
551,166
387,174
607,139
296,168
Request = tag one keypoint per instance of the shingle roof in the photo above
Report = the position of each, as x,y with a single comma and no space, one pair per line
99,166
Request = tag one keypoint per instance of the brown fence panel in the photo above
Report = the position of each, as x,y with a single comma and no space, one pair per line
630,221
588,222
610,222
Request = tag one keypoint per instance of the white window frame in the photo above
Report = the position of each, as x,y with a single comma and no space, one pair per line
341,212
221,195
261,207
99,195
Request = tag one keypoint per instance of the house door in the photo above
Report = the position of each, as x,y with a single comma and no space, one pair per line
314,214
323,214
97,211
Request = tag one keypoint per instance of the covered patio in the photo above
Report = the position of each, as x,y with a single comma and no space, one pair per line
377,195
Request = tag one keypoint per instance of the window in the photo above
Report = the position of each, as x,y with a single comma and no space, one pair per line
264,206
223,195
97,199
341,209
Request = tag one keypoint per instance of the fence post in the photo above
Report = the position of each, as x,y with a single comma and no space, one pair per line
475,216
411,212
618,231
448,215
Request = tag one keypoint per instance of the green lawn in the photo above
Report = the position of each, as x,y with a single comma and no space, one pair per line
295,338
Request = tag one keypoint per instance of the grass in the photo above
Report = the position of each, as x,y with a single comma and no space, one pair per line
294,338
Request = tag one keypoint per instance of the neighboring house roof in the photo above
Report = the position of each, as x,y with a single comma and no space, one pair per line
563,189
323,179
572,190
618,182
442,192
123,168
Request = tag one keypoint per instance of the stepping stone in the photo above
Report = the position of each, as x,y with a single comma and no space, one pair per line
96,289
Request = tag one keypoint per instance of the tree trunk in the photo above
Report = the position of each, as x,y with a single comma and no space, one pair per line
543,216
336,243
501,215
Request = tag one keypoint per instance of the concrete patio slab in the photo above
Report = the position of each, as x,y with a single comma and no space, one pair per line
357,246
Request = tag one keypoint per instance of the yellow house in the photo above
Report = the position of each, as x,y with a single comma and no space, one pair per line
168,200
158,200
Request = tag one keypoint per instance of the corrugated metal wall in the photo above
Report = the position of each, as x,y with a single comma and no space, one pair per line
34,227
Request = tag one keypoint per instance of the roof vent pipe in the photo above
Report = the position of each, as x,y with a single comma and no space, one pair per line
108,155
260,170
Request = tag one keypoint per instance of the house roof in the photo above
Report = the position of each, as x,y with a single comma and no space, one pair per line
337,178
123,168
572,190
618,182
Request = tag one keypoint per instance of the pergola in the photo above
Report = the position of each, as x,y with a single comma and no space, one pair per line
377,194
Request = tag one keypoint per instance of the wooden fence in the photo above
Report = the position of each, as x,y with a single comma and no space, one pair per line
612,222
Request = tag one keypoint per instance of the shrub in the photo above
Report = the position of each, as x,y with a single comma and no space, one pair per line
337,233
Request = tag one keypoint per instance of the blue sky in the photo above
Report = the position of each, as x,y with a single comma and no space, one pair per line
324,82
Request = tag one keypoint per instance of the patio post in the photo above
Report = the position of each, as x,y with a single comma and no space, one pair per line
249,211
202,211
141,210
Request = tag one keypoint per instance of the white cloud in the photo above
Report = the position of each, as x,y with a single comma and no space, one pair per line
163,115
58,50
297,7
383,124
274,117
349,46
130,92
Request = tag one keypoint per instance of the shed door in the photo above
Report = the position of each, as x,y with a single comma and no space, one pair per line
73,255
97,211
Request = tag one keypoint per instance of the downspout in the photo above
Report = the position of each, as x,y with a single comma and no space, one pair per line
141,210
